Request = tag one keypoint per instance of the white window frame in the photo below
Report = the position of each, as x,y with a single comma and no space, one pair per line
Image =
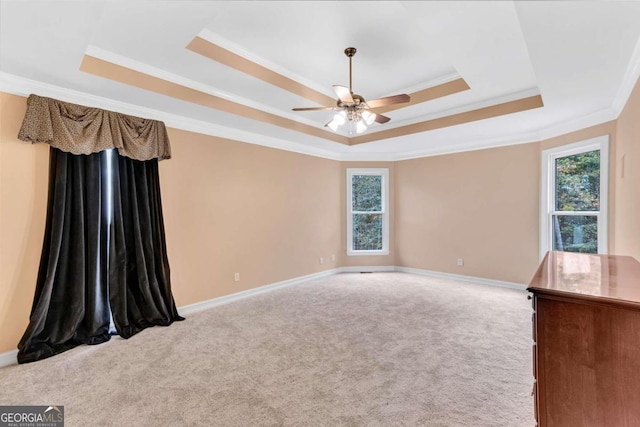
548,184
384,173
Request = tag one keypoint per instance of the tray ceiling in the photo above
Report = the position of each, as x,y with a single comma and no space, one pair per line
480,73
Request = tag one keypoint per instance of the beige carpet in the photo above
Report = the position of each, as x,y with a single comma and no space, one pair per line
382,349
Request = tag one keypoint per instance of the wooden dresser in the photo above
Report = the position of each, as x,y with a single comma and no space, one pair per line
586,333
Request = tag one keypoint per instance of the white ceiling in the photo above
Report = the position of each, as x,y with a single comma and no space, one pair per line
581,57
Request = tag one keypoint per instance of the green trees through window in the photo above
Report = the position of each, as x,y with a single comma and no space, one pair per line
578,182
367,212
577,189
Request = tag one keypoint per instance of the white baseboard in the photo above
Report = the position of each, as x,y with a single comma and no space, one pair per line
462,278
9,358
203,305
367,269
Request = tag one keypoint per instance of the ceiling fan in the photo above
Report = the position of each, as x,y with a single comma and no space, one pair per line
353,107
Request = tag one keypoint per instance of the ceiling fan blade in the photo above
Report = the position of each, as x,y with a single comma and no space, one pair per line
382,119
395,99
343,93
312,108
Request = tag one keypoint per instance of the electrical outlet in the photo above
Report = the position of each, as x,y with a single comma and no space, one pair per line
460,262
321,260
236,277
333,257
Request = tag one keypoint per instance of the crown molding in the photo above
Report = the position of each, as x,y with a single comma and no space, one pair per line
578,123
555,130
463,108
21,86
629,81
484,144
116,67
367,157
222,51
214,38
144,68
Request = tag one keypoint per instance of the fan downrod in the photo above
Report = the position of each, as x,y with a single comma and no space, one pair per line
354,105
350,51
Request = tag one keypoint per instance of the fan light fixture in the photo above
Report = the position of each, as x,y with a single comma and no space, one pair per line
354,112
353,109
360,116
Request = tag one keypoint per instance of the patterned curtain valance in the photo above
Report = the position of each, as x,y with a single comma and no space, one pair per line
78,129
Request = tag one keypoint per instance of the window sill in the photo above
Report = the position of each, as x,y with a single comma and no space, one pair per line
367,253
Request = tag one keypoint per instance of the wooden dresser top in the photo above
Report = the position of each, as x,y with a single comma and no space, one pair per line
606,279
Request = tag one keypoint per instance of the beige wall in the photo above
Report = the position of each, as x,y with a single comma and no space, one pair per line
232,207
229,207
270,214
24,172
370,260
481,206
627,190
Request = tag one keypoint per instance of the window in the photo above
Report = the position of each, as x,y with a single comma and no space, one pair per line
367,211
573,205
